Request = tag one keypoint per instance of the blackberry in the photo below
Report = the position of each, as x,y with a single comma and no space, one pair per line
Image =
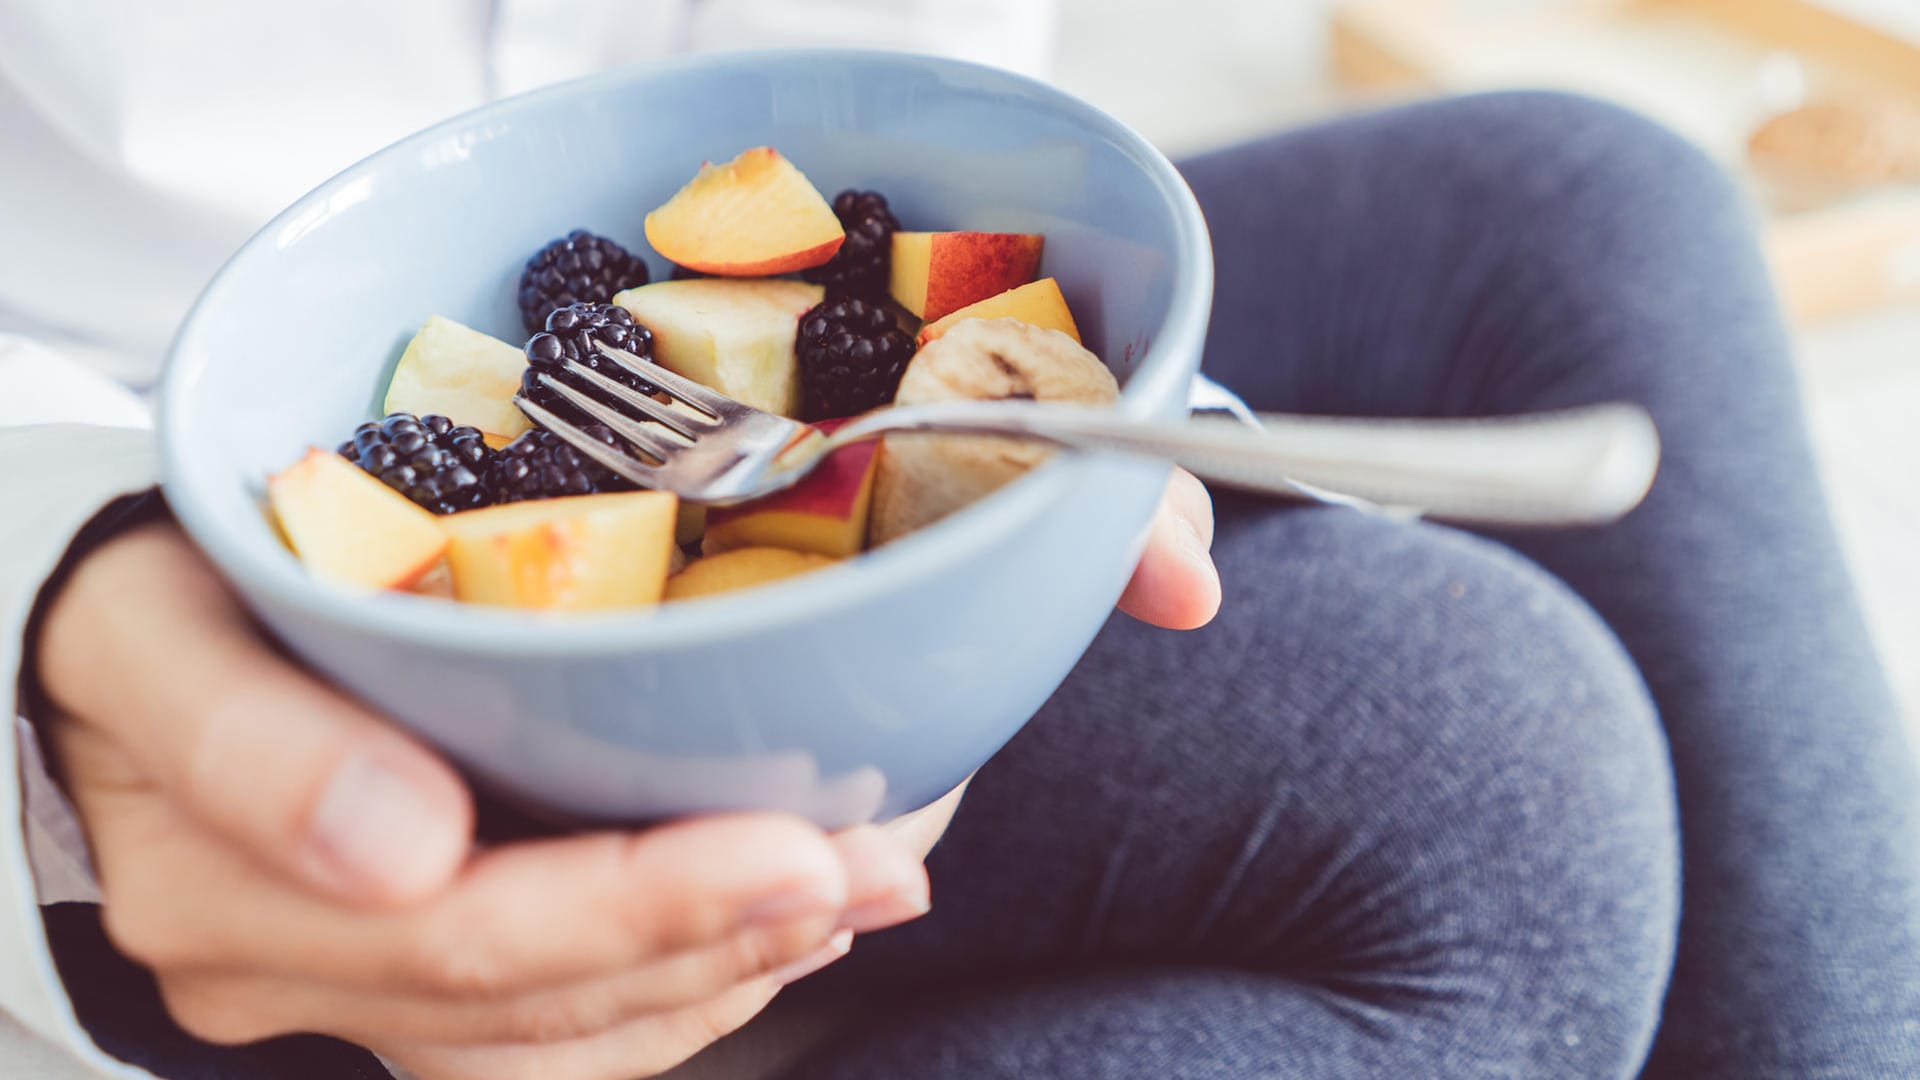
540,465
570,334
575,269
851,354
861,266
429,459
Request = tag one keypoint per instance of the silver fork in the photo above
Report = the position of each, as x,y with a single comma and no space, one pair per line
1580,466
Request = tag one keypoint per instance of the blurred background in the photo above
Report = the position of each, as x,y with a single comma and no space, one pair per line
1816,103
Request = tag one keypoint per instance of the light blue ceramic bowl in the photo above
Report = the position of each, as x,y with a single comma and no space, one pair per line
858,692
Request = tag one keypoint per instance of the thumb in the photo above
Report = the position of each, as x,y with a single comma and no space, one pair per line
250,746
1176,584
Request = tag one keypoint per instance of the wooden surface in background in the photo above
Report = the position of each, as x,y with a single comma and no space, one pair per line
1703,66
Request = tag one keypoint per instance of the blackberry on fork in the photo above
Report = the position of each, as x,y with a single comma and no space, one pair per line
570,335
429,459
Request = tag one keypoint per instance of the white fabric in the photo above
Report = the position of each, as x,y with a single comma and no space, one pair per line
140,143
46,506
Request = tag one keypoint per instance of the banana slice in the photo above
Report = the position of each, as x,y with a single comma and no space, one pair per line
923,478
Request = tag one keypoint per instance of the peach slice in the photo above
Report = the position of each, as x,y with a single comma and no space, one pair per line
579,553
755,216
1039,304
826,513
462,374
742,569
350,528
937,273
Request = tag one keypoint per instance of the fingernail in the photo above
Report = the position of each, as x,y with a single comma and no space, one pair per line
905,905
836,947
374,825
790,903
1187,537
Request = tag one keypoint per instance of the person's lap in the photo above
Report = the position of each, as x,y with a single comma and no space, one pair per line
1406,809
1354,793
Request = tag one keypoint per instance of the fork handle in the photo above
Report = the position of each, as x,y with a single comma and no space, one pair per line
1580,466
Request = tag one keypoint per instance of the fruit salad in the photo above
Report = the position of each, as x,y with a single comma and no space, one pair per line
816,310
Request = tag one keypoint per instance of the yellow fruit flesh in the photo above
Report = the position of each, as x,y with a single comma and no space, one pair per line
350,528
755,215
911,263
1038,304
735,336
741,569
795,530
462,374
580,553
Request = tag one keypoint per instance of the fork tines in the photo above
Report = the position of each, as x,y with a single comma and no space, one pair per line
622,464
659,429
715,405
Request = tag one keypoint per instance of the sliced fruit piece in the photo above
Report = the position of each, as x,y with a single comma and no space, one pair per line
741,569
826,513
923,478
581,553
756,215
1039,304
462,374
350,528
934,274
436,582
732,335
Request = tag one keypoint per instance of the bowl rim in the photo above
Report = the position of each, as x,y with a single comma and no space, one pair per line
1162,371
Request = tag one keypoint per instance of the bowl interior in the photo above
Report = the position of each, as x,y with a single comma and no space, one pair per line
290,344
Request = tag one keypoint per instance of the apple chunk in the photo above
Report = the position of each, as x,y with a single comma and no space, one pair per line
1039,304
742,569
462,374
826,513
733,336
754,216
350,528
937,273
579,553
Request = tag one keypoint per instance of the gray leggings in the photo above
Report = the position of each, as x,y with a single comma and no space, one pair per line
1430,804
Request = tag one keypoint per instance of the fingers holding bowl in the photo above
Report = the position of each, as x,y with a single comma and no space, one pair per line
147,648
1176,585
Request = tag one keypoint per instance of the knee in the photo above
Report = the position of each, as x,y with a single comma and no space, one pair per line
1512,786
1593,162
1447,668
1638,252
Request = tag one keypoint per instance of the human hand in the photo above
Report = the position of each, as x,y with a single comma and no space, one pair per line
284,861
334,889
1176,585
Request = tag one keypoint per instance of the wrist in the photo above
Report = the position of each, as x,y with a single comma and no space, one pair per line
117,518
